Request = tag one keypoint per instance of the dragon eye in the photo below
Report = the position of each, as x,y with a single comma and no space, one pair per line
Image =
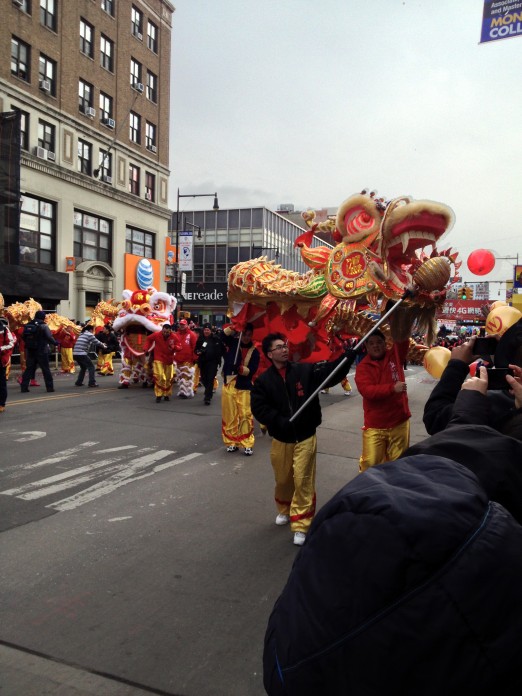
358,221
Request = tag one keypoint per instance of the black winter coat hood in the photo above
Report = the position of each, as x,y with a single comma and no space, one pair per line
408,584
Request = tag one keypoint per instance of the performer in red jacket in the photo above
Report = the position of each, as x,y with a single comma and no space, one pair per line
185,360
164,344
382,385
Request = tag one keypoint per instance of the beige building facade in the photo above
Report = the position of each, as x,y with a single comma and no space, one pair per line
90,81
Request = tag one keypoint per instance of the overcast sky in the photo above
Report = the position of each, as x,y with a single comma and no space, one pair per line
308,101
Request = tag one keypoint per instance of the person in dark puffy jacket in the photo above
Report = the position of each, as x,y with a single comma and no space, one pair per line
439,407
410,579
39,354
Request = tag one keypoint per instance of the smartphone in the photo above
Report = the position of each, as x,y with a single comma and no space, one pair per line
485,346
497,377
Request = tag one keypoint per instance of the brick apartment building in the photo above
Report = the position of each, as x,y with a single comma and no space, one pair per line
89,80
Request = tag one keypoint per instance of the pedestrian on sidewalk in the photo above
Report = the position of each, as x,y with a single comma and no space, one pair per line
276,396
37,338
86,342
164,345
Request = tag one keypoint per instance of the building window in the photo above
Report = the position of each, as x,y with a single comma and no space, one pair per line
20,59
139,243
48,13
152,87
85,96
86,38
137,23
47,73
25,6
135,72
150,186
46,136
150,136
84,157
135,127
106,107
108,6
134,179
92,237
152,37
24,127
106,53
37,232
105,166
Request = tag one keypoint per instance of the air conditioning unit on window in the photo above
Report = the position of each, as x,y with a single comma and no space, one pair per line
138,86
109,122
139,36
18,3
148,195
89,111
153,148
40,152
106,178
45,86
51,156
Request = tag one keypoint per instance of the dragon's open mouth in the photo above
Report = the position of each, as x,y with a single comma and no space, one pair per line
410,235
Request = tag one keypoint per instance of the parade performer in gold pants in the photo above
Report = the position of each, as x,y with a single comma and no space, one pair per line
241,362
164,345
276,396
381,383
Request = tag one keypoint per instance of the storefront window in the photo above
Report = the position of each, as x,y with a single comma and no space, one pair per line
92,237
37,232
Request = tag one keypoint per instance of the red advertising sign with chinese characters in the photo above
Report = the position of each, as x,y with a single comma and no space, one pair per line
461,310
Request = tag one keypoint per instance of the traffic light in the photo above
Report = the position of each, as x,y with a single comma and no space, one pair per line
466,293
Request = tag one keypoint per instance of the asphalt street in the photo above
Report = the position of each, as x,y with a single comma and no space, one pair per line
138,556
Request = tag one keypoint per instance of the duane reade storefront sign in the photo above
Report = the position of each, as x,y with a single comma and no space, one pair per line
211,294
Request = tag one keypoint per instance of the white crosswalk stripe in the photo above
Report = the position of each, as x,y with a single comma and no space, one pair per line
110,473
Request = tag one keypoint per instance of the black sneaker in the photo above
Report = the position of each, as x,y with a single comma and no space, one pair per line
123,386
158,399
93,385
167,398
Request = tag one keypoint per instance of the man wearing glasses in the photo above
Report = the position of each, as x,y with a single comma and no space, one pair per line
277,394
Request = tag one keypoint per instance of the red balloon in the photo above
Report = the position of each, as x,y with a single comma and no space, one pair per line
481,261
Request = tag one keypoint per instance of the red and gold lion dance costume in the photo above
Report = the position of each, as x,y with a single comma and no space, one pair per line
140,313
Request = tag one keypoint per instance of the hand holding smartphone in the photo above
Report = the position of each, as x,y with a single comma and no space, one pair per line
497,378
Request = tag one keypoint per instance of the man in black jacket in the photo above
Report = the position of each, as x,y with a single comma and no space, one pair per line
277,394
39,354
439,407
209,350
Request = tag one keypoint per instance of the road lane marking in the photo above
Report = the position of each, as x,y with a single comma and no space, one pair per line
31,435
64,454
126,475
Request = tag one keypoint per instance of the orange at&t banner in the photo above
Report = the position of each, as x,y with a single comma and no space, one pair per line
131,264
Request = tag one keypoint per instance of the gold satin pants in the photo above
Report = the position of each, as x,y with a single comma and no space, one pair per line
294,472
163,377
68,364
381,445
107,367
237,422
